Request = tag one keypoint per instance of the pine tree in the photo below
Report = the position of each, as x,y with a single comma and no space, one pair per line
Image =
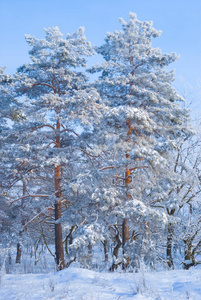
57,100
145,123
9,112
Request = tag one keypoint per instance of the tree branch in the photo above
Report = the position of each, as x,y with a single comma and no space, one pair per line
28,196
46,125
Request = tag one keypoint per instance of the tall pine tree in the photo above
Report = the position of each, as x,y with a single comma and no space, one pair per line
57,100
145,123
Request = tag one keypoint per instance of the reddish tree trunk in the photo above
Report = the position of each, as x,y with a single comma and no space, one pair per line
58,238
58,229
128,179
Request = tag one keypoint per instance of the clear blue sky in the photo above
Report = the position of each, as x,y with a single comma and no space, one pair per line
180,21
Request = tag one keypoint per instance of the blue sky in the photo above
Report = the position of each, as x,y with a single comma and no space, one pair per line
180,21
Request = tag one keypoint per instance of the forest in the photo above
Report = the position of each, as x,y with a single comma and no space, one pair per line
100,165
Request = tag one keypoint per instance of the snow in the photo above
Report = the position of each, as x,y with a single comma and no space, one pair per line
76,284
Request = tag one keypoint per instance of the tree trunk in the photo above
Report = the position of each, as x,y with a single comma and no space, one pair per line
19,248
169,246
169,240
128,179
70,238
89,256
59,251
58,238
125,239
188,253
116,250
105,250
19,252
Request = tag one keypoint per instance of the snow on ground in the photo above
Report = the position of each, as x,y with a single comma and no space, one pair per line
81,284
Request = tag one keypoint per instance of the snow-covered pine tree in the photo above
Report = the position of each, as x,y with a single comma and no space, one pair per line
9,112
56,101
144,125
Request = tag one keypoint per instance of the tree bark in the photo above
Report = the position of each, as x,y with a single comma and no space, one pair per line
105,250
125,239
19,247
116,250
128,179
188,253
58,238
59,251
169,246
19,252
169,241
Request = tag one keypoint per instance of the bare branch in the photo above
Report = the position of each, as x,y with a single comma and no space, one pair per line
43,84
28,196
46,125
38,215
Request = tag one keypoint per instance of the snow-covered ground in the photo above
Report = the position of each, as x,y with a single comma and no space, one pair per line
77,284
